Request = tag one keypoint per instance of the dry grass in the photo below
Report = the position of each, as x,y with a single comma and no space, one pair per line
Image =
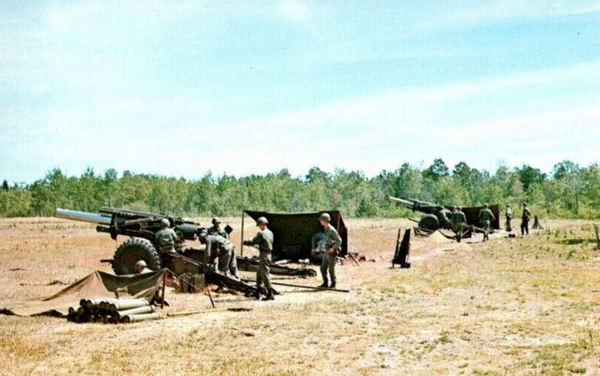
508,307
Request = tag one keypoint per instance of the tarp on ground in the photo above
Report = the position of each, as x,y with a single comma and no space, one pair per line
294,231
96,285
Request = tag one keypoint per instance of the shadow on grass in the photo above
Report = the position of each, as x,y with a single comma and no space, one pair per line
575,241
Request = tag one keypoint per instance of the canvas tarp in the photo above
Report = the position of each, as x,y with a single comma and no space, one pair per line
96,285
293,232
472,214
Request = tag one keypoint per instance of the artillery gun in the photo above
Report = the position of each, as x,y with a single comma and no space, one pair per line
141,229
435,216
438,216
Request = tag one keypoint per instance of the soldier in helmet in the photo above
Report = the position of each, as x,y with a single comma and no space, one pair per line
216,228
508,214
264,242
332,244
525,217
459,221
166,238
486,217
141,267
221,250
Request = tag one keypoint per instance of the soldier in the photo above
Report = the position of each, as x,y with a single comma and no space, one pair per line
525,220
264,242
459,221
216,228
508,214
141,267
166,238
486,217
222,251
332,244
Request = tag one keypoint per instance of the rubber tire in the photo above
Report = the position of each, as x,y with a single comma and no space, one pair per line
429,222
133,250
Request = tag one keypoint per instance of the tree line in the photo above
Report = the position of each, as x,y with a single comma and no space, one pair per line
569,191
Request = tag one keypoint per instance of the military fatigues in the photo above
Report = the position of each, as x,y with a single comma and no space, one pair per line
222,249
486,217
459,222
264,242
331,241
165,240
525,221
508,214
217,231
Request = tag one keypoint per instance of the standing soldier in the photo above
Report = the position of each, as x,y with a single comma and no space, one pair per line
332,243
166,238
525,220
216,228
264,242
486,217
459,220
508,215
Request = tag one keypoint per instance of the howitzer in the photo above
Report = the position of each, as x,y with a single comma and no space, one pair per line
141,228
436,216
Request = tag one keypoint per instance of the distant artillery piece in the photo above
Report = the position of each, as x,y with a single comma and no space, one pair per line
438,216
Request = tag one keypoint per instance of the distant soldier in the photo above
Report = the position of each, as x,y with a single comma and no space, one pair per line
216,228
141,267
459,221
525,217
264,242
166,238
508,214
222,251
332,243
486,217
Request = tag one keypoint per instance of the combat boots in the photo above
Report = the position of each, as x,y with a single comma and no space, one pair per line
270,295
332,286
325,284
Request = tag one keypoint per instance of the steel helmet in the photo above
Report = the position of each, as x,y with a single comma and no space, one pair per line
262,221
325,217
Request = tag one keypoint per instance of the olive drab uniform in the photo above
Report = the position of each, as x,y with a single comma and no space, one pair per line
220,248
486,217
264,242
165,240
508,214
214,230
332,243
459,220
525,221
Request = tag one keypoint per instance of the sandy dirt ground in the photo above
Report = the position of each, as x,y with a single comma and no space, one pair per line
526,306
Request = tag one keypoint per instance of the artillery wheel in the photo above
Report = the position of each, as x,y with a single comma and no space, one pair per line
429,222
133,250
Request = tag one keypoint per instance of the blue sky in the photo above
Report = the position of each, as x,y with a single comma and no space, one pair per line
181,87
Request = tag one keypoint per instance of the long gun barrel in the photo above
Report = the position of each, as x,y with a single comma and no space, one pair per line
416,205
82,216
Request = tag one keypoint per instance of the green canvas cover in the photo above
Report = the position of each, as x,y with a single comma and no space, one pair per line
96,285
294,231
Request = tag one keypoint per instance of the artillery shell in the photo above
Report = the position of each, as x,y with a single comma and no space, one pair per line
136,311
138,318
124,304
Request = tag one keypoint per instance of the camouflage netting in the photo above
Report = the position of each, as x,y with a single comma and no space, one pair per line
294,232
96,285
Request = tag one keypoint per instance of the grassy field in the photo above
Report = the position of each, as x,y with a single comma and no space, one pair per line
508,307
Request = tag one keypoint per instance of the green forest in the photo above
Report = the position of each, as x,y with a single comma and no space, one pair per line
568,191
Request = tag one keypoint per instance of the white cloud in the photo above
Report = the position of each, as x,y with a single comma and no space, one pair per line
294,9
